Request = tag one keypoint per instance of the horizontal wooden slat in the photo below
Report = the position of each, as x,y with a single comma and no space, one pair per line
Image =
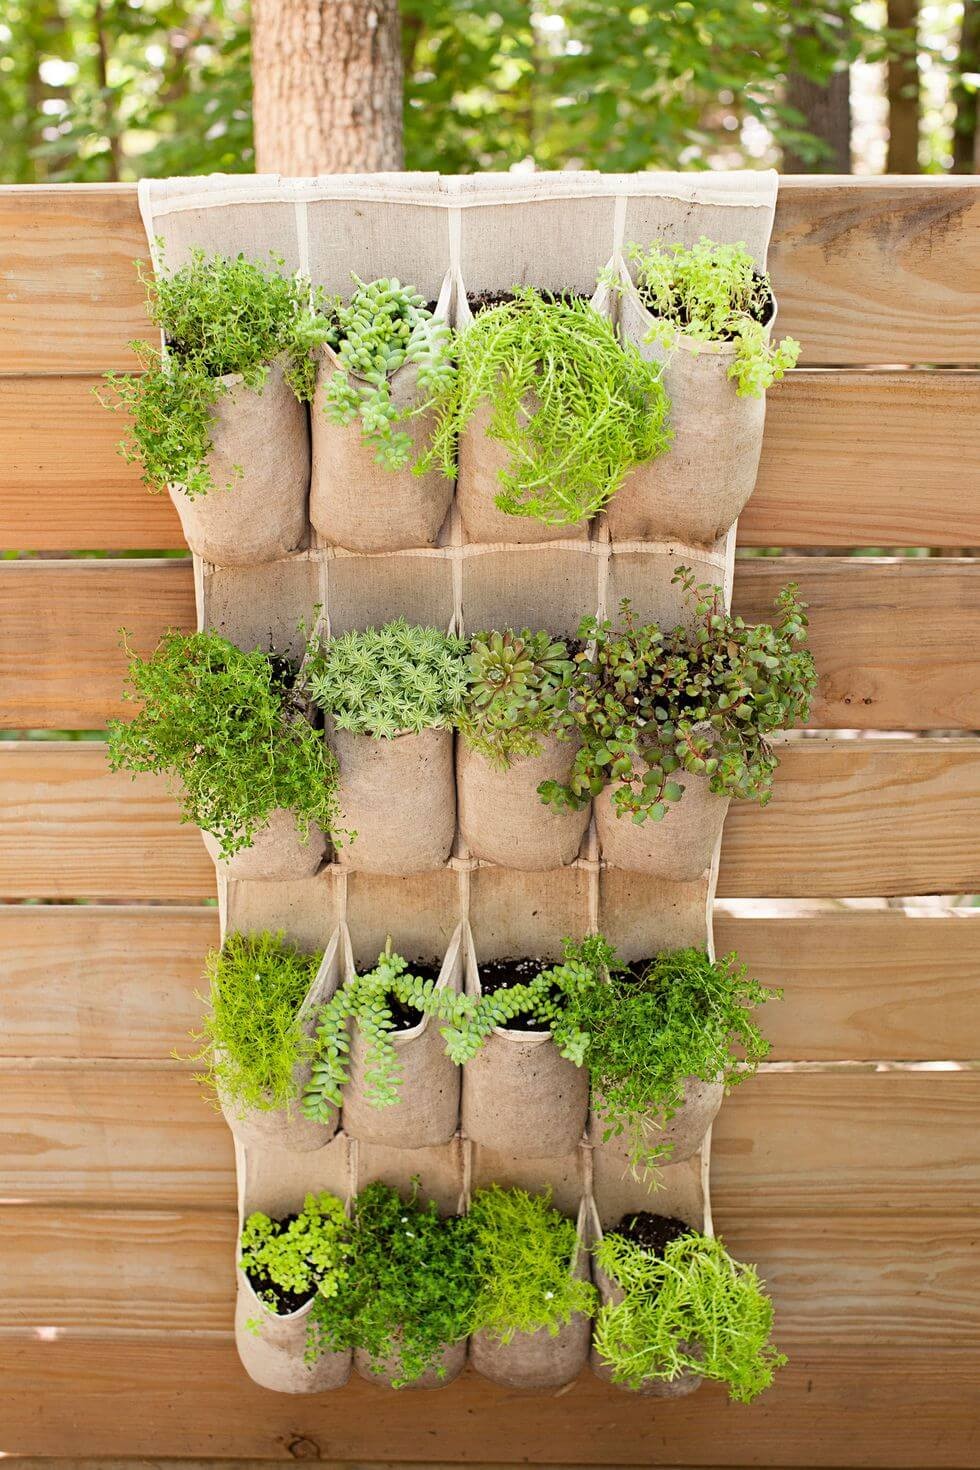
874,817
866,271
822,1143
894,640
850,459
858,985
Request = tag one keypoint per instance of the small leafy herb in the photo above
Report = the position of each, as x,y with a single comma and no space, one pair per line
524,1254
388,680
384,326
573,406
299,1256
692,1310
512,682
713,293
230,731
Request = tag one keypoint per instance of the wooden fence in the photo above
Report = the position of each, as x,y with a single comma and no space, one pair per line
850,1182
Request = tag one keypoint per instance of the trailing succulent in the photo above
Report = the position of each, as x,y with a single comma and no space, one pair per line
691,1309
385,681
713,293
251,1037
302,1255
384,326
573,406
219,317
512,681
230,729
647,703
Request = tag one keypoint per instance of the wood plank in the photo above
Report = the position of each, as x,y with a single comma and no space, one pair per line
858,985
867,271
818,1143
848,818
850,459
831,1406
894,639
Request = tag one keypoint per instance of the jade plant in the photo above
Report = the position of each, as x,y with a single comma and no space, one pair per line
524,1255
390,680
409,1288
512,683
687,1308
288,1261
384,326
251,1038
714,293
229,728
574,408
219,317
646,703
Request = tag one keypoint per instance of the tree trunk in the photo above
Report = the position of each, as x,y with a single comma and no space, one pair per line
903,91
966,128
827,111
327,86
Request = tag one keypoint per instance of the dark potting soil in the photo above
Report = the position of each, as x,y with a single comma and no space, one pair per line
682,319
653,1233
484,300
278,1298
501,974
405,1017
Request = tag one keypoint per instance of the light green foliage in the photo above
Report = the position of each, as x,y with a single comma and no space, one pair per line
365,1001
219,317
647,702
410,1286
694,1310
384,326
251,1036
524,1252
225,725
388,680
574,408
713,293
308,1254
512,681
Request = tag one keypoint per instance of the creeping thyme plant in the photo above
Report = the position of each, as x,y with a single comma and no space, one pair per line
219,317
390,680
692,1309
524,1253
574,407
228,728
713,293
288,1260
251,1037
384,326
512,684
647,703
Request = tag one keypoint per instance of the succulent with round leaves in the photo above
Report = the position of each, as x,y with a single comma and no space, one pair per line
512,682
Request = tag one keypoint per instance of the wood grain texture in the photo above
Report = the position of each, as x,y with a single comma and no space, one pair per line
858,985
850,459
894,639
875,817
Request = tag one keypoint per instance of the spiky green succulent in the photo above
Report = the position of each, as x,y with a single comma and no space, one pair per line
512,680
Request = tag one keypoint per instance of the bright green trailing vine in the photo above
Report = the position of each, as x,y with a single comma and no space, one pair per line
385,681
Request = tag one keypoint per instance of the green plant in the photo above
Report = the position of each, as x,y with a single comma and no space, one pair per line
300,1255
228,726
365,1001
512,680
251,1037
646,703
219,317
524,1254
384,326
692,1310
410,1286
388,680
574,408
713,293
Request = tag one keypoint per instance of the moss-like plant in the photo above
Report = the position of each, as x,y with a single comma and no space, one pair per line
227,726
219,317
410,1287
573,406
647,702
512,684
251,1037
386,681
366,1001
713,293
692,1310
295,1257
384,326
524,1254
